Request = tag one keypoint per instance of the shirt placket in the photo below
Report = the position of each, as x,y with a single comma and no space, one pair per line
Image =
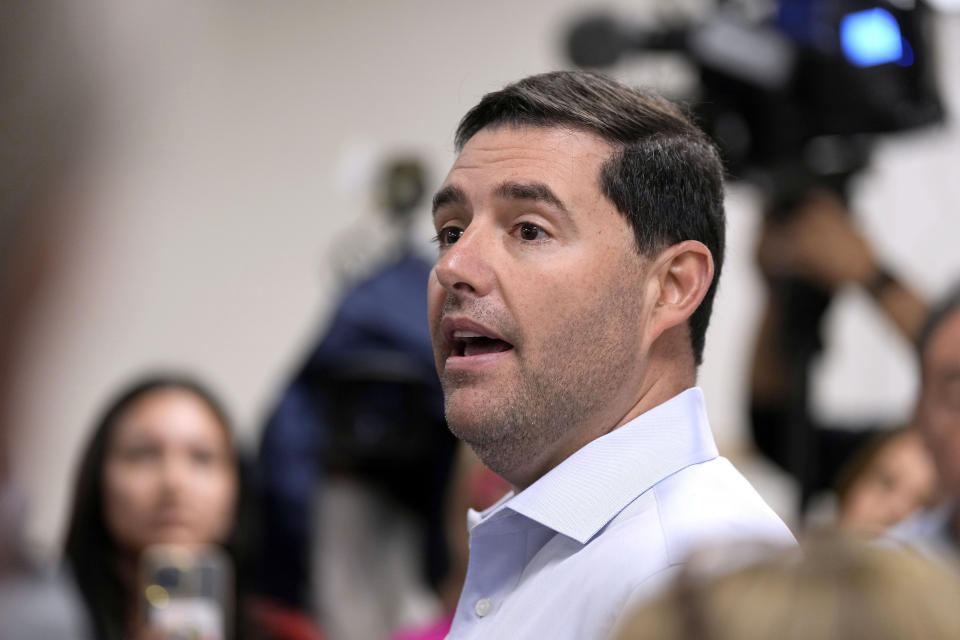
496,562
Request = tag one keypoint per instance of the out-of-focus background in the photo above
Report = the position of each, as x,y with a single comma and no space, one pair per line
232,164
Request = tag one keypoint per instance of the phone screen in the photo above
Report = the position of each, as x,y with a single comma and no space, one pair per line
186,592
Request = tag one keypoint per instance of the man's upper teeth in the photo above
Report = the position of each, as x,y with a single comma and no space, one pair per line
467,334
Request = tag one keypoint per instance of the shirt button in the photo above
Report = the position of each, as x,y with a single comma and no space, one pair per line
482,607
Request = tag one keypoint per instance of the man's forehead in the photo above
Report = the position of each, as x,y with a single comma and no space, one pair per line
529,162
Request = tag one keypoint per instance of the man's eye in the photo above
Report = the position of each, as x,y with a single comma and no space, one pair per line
531,232
448,235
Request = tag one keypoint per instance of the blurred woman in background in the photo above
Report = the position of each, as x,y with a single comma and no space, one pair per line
161,468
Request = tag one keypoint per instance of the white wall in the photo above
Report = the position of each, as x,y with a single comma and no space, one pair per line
237,138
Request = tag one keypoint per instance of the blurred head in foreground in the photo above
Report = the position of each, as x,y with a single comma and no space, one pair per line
837,589
46,123
886,482
161,468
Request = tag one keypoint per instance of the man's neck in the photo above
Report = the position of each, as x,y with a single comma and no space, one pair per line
661,390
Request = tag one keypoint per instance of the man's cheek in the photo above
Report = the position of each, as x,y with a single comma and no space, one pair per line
434,308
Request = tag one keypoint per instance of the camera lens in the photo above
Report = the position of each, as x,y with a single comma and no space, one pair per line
167,577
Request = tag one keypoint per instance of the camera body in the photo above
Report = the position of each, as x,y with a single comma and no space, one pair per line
793,99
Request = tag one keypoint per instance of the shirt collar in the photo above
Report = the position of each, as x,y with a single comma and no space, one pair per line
588,489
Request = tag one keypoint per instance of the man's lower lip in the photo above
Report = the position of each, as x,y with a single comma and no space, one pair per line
473,362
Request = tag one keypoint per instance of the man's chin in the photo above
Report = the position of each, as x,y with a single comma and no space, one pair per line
468,413
464,419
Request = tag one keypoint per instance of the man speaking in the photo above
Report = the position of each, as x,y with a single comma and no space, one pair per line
581,234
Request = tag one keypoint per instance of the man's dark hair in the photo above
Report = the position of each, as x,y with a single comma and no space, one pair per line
943,309
664,175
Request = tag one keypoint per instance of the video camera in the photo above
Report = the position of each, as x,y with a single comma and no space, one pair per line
793,99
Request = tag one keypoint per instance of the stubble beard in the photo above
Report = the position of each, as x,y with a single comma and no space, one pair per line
551,400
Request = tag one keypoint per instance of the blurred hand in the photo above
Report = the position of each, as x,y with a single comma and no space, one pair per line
157,633
817,243
149,633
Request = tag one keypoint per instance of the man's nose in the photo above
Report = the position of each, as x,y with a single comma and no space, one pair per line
466,267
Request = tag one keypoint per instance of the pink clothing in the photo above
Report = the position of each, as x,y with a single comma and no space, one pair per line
434,631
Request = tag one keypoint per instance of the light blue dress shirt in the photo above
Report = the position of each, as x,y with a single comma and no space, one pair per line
605,528
928,532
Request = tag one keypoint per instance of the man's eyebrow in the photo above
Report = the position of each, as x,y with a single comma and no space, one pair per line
536,191
450,194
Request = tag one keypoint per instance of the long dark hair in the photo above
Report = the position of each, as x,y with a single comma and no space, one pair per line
91,552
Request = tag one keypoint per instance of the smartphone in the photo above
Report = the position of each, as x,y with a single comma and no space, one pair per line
186,592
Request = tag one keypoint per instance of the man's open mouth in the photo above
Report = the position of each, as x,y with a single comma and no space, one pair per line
469,343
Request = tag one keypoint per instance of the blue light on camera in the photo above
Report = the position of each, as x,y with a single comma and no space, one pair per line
873,37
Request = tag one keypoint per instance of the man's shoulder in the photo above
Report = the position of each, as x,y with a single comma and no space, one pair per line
583,588
704,504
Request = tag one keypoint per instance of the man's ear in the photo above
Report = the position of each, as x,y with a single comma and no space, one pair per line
681,275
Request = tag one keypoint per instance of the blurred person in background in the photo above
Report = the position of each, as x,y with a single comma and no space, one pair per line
936,531
581,233
837,589
45,116
356,457
886,482
806,255
161,467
